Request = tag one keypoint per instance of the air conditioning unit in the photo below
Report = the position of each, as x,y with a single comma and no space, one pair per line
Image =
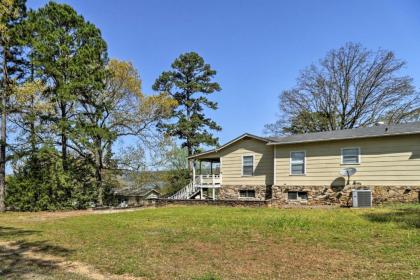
362,198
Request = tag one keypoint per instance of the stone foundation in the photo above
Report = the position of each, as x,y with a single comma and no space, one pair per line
229,192
330,195
160,202
320,195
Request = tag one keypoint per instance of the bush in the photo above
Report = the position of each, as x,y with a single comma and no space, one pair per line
40,183
176,180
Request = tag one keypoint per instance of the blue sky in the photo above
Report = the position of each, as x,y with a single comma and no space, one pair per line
257,47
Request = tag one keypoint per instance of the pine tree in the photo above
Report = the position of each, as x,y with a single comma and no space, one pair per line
188,83
12,13
70,55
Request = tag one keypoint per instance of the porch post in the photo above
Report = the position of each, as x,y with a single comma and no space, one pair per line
193,172
214,193
201,193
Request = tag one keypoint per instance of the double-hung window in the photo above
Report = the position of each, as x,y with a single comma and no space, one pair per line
247,165
297,163
350,155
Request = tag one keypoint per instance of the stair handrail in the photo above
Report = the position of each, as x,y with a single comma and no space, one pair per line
185,192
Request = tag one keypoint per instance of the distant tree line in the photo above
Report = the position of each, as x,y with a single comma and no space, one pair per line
64,104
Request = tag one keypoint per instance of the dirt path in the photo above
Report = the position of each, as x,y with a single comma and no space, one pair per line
21,256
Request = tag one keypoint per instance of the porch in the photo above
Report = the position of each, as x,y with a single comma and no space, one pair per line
208,181
206,177
206,173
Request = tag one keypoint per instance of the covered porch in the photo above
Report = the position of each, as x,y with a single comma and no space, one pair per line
206,176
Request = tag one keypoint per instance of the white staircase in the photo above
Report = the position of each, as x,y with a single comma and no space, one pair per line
186,192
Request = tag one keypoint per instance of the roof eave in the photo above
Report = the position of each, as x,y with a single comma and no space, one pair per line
346,138
229,143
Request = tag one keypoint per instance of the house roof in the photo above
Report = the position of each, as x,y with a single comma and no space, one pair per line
361,132
354,133
129,191
245,135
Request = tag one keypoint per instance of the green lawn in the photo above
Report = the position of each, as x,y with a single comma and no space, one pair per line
219,243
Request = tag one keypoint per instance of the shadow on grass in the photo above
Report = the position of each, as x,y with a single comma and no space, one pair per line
405,217
11,232
20,258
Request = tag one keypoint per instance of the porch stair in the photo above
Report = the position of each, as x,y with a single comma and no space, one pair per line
186,192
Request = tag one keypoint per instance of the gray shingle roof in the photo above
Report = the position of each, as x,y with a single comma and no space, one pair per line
361,132
129,191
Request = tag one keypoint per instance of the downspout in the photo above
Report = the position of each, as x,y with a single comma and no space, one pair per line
274,165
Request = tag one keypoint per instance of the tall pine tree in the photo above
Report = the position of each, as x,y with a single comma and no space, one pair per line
70,55
189,82
12,13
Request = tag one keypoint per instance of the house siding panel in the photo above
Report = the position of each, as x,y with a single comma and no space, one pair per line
385,161
231,158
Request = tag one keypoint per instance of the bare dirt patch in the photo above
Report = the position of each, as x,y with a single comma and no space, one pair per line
33,260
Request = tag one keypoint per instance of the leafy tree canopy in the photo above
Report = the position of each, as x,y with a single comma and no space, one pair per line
350,87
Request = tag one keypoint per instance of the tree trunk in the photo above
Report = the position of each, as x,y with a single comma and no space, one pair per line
99,185
64,149
3,134
32,136
3,153
33,152
64,136
190,162
98,171
188,140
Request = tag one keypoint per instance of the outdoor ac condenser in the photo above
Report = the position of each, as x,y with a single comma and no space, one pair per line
362,198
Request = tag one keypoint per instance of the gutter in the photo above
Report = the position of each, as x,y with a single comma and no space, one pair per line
347,138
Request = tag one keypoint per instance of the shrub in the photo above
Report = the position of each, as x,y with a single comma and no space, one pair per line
40,183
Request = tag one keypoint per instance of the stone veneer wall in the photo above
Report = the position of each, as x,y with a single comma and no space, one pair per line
229,192
160,202
328,195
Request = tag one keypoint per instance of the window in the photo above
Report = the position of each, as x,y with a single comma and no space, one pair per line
297,163
350,155
247,165
297,196
247,193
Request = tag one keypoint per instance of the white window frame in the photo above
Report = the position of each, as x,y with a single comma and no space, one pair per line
359,156
253,165
304,163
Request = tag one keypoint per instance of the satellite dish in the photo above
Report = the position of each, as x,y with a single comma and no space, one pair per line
348,172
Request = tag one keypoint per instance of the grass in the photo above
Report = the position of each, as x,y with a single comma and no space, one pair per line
225,243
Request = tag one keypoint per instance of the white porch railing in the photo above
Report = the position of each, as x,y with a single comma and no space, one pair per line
209,181
186,192
200,181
